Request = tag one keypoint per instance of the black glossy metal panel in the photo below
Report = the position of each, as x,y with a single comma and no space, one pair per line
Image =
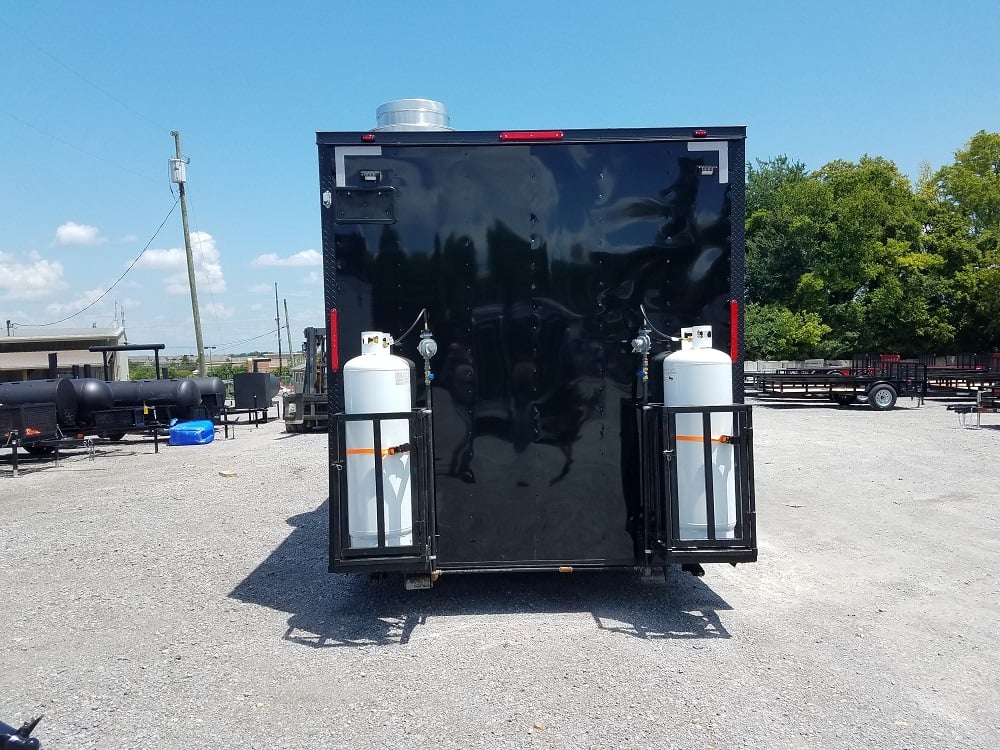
532,261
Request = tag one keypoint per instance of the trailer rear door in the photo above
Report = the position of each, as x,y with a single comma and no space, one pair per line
532,258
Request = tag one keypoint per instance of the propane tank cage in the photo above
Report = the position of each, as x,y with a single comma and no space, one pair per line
660,496
416,557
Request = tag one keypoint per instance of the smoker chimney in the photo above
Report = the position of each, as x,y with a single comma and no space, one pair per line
412,114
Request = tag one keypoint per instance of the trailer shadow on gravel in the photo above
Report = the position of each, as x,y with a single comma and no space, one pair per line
805,404
30,463
25,464
329,610
814,404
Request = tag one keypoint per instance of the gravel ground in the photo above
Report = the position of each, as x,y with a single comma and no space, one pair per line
150,602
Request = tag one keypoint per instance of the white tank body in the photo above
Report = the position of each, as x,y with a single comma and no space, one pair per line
377,382
698,375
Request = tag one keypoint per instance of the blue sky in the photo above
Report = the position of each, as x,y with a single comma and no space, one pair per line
91,91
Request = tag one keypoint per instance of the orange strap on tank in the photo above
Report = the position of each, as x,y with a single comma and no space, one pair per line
699,439
396,449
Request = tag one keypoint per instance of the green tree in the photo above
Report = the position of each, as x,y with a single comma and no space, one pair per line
962,222
775,332
972,183
887,286
766,180
227,369
855,255
785,211
140,371
844,245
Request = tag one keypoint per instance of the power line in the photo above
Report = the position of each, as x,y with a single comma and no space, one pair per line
73,146
83,78
108,290
124,105
247,341
228,345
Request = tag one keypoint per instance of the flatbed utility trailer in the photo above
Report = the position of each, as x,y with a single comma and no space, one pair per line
878,387
987,402
958,381
961,375
535,260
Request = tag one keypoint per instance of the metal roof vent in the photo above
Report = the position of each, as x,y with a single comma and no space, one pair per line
412,114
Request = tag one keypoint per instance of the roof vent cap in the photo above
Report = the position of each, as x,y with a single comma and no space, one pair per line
412,114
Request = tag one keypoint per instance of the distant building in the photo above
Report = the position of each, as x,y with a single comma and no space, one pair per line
27,357
261,364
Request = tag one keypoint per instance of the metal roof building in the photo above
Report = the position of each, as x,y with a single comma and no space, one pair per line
30,357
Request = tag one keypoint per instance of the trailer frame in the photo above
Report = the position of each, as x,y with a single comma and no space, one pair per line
879,388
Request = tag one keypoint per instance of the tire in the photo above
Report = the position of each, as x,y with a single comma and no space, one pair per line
882,397
114,437
40,450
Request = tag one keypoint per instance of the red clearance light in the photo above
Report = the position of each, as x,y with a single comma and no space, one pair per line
734,330
368,137
700,133
334,343
531,135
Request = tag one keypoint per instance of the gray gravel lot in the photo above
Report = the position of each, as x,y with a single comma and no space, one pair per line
149,602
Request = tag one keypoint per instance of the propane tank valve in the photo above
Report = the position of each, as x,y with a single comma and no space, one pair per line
427,348
641,345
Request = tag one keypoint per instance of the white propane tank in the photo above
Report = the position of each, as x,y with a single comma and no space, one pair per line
698,375
377,382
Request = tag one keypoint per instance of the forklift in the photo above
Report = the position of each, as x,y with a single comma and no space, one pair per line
305,409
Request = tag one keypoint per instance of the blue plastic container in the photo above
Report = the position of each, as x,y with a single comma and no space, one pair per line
197,432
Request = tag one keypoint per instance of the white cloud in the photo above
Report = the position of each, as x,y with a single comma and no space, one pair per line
173,258
261,288
314,277
256,308
207,265
72,233
71,306
31,280
305,258
218,309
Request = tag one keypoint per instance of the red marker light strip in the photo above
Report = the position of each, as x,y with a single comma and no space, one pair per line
531,135
734,330
334,343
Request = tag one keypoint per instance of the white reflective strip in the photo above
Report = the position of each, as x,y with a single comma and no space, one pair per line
722,147
341,151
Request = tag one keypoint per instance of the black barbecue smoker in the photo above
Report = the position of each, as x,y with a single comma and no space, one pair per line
502,307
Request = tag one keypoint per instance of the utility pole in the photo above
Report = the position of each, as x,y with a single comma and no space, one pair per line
177,175
277,320
288,331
